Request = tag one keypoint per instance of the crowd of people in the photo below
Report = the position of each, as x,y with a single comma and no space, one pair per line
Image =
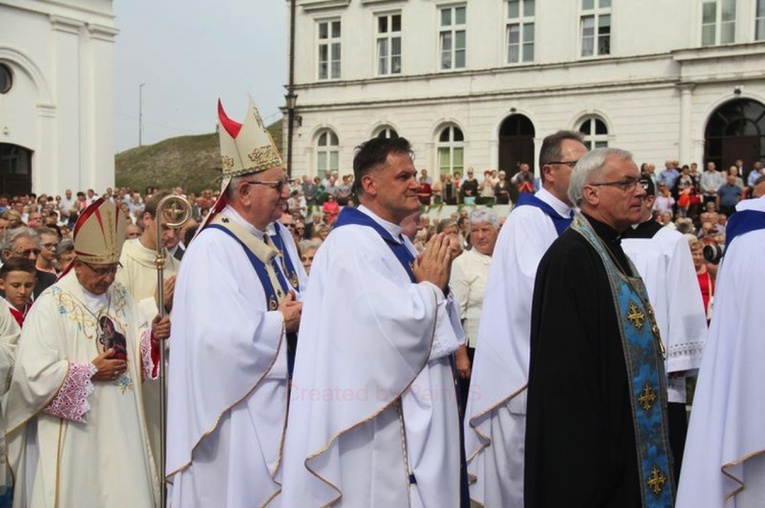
334,345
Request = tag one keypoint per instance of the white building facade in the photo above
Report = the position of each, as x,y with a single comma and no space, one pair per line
481,82
56,95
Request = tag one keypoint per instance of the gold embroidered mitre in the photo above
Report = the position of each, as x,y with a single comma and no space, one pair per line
247,147
99,233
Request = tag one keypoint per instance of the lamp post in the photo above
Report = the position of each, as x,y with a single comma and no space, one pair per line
291,98
140,114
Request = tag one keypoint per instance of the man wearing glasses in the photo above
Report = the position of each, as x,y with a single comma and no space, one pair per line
23,242
495,418
235,316
75,396
596,432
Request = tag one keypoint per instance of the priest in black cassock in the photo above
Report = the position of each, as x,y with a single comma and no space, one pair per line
596,423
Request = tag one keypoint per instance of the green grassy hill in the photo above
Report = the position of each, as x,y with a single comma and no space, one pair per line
192,162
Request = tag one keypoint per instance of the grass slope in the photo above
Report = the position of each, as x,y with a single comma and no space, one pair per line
192,162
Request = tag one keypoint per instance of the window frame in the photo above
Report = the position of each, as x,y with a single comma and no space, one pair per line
331,43
390,37
522,21
325,152
719,24
591,138
453,30
451,146
596,13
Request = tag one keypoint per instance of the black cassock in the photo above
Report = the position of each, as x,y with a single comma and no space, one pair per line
580,439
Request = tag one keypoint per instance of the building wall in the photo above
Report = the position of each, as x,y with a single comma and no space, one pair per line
655,90
61,105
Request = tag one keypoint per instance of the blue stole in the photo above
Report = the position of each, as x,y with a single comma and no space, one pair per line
289,267
743,222
643,355
353,216
272,300
560,223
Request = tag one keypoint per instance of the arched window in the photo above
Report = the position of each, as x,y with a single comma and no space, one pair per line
736,130
595,133
386,132
451,150
327,152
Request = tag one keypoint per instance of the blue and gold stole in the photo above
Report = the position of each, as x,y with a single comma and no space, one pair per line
643,355
287,262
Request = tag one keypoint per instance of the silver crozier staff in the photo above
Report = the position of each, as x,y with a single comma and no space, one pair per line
172,212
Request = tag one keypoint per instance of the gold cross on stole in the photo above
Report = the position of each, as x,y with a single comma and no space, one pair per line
657,480
635,317
647,398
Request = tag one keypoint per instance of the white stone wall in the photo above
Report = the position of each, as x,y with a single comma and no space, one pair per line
655,91
62,103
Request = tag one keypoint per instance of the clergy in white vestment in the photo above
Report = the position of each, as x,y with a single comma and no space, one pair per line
373,415
495,419
233,310
138,273
76,428
9,338
724,463
663,259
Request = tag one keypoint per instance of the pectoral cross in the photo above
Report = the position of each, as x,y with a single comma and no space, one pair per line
635,317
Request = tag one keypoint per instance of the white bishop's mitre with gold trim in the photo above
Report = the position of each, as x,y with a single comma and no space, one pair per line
99,233
245,148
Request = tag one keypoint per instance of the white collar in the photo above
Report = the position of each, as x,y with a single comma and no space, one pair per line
393,229
240,220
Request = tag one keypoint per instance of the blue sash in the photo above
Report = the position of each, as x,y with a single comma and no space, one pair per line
743,222
560,223
645,374
349,216
272,300
353,216
287,265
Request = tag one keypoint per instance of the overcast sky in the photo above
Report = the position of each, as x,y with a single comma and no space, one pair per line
189,53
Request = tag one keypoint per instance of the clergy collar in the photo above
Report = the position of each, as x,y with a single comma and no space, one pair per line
393,229
239,220
603,230
559,206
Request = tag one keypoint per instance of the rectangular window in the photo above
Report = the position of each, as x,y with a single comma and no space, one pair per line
329,49
389,44
595,27
520,31
718,22
452,36
759,32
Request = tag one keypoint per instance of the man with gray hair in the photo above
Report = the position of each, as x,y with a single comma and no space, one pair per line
596,430
495,418
23,242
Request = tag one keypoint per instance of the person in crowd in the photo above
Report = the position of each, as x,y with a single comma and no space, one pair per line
523,179
396,345
424,191
486,189
724,463
132,231
734,172
18,277
669,175
308,250
24,242
65,254
663,260
468,282
234,311
496,411
729,195
612,450
343,191
502,189
664,202
49,240
74,398
711,180
10,328
757,172
469,188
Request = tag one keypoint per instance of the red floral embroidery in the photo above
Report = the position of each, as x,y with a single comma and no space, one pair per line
71,402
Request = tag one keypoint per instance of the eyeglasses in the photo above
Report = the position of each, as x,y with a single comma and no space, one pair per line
626,184
26,252
277,185
103,272
570,164
50,246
